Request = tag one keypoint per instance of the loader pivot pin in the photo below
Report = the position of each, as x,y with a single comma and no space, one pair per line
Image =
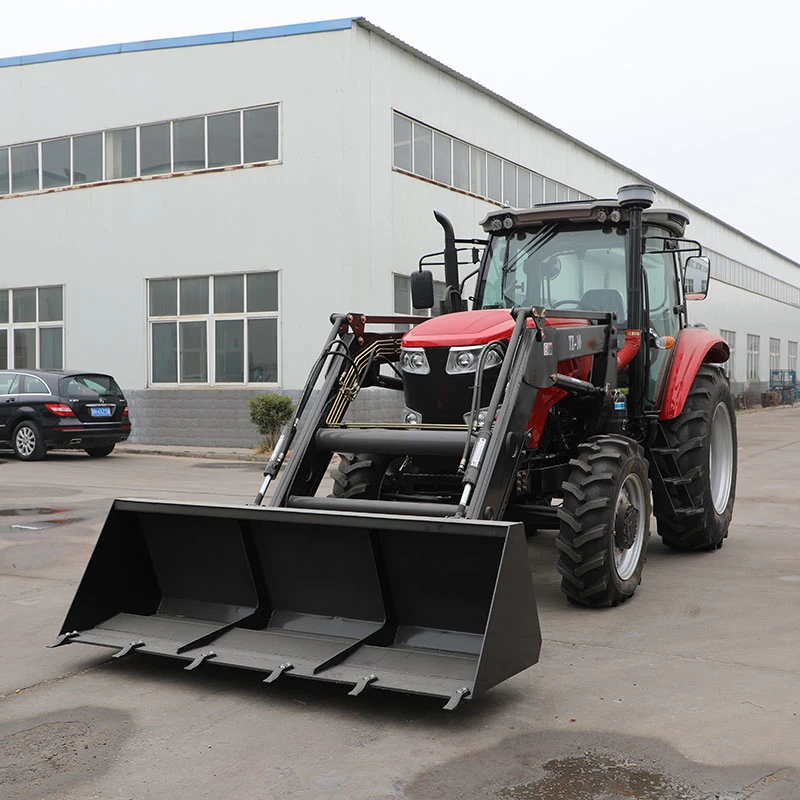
361,685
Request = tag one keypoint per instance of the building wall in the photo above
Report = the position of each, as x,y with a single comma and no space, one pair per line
332,216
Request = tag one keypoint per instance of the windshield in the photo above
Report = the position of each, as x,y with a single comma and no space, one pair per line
556,266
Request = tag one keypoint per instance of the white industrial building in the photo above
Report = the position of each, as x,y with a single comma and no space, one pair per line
187,213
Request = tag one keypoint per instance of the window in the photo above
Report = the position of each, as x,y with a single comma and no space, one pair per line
402,142
477,162
25,168
774,354
423,151
56,165
261,134
121,154
32,328
214,329
509,184
442,171
730,364
402,297
5,174
87,158
460,165
224,140
154,149
793,356
188,144
753,356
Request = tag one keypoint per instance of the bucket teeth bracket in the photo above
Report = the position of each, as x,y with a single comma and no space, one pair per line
278,671
362,684
127,649
204,656
456,698
65,638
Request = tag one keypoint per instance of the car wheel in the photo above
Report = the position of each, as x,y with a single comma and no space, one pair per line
99,452
27,442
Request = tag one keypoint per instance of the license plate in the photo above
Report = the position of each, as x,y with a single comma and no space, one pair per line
102,411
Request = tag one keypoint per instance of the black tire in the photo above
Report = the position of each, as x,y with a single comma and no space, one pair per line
27,441
99,452
704,442
359,476
605,522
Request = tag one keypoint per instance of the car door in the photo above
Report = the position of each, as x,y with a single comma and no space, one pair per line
9,402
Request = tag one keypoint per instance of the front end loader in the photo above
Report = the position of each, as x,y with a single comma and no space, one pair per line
572,386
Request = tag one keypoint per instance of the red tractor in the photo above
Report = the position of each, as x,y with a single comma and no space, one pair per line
572,392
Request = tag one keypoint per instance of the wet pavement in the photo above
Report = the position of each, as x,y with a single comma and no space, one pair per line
687,692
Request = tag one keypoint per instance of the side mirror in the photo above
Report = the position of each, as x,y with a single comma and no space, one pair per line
695,277
422,289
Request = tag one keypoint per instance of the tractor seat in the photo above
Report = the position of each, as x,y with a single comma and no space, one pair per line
605,300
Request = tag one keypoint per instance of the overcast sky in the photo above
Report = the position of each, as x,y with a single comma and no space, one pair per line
699,96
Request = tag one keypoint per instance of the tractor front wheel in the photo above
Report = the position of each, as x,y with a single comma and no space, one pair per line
604,522
694,511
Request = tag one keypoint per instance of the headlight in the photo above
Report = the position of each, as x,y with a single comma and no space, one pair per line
465,359
414,360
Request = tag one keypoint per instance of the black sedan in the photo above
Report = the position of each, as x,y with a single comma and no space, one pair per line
45,409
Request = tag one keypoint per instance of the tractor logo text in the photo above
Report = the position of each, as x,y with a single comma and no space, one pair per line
574,341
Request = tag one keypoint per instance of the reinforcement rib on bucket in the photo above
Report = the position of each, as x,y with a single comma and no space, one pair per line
430,606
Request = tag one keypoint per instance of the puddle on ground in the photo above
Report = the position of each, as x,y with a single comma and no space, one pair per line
591,777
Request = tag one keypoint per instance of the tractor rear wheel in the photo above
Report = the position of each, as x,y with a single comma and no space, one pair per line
694,512
605,522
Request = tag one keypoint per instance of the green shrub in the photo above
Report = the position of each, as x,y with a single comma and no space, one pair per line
268,412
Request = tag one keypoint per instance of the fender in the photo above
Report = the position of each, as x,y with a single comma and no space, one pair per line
694,346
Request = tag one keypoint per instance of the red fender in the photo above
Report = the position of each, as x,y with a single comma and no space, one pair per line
694,346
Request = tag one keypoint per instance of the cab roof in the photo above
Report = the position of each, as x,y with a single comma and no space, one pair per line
581,212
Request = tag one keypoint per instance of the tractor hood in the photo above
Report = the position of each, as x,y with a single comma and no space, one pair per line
461,328
466,328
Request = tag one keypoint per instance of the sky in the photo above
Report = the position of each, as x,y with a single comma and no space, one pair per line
699,96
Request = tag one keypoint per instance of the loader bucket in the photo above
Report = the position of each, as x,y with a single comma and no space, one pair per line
441,607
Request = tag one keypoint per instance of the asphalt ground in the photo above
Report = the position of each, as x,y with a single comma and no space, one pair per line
690,691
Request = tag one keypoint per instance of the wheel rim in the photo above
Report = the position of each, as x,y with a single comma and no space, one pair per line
720,458
25,441
626,560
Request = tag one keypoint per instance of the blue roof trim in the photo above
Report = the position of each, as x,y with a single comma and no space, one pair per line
182,41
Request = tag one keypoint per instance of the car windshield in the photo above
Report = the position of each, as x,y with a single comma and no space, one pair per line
89,386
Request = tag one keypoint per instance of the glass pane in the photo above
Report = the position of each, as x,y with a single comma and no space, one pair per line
228,294
50,348
25,168
25,348
164,298
261,134
230,351
478,171
154,157
561,193
194,295
3,349
121,154
87,158
194,352
262,350
5,175
24,305
460,165
509,184
55,163
189,144
402,142
402,294
441,158
3,305
494,177
165,352
423,151
537,189
224,140
262,291
51,304
523,188
549,191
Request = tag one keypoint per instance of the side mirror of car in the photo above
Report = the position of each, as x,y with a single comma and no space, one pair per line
695,277
422,289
